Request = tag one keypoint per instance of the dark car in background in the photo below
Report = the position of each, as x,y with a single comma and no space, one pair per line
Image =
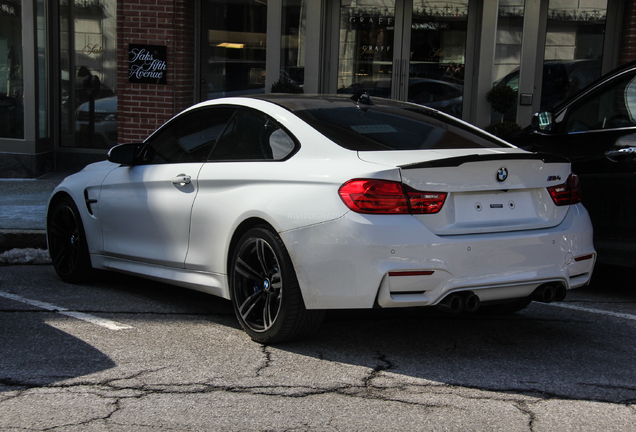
596,130
561,80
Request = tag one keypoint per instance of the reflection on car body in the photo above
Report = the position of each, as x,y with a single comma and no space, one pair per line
105,117
291,205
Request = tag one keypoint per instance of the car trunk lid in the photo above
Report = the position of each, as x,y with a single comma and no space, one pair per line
489,190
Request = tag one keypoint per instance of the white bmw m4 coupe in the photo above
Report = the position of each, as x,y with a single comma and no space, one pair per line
291,205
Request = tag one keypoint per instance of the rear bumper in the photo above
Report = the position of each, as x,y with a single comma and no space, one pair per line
356,261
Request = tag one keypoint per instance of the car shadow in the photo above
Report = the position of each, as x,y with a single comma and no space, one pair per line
543,351
47,355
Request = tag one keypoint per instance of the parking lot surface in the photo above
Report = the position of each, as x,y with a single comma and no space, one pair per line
122,353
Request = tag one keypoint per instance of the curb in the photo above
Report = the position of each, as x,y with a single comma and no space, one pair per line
21,239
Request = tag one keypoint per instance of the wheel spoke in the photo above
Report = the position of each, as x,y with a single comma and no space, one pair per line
61,256
261,254
277,281
66,257
245,270
268,319
68,219
57,230
249,304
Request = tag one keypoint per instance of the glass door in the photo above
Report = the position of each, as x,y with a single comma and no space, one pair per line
437,55
233,48
88,61
573,48
411,50
367,44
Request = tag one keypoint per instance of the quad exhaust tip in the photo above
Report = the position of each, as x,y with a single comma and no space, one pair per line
459,302
549,292
468,301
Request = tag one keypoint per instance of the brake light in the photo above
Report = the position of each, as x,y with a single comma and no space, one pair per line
567,193
389,197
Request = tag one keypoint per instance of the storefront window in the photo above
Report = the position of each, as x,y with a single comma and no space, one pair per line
431,73
292,56
438,54
43,75
573,48
233,48
508,51
366,47
88,56
11,80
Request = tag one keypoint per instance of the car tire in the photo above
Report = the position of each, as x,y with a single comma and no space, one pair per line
68,247
265,292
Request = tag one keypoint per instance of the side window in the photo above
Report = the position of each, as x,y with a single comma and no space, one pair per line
188,138
611,106
252,136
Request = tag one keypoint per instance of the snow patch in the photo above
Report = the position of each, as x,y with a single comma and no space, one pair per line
25,256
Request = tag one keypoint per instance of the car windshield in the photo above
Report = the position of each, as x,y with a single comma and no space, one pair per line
403,127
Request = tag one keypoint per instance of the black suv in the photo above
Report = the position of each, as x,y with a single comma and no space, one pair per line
596,130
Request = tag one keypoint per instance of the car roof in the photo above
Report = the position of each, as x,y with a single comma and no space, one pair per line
301,102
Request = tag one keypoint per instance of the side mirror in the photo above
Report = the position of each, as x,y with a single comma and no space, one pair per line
542,121
124,154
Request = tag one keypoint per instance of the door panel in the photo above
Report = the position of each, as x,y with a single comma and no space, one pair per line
145,209
145,212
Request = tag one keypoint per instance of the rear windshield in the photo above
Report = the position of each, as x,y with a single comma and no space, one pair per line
392,128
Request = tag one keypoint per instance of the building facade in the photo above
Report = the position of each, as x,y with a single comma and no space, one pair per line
79,76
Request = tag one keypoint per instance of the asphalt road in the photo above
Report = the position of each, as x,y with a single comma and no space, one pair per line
127,354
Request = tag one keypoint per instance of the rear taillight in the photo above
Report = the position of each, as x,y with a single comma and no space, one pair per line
389,197
567,193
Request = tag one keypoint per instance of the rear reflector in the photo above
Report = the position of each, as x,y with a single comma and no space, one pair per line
584,257
411,273
389,197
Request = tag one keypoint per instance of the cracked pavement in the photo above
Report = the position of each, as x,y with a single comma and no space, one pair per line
185,364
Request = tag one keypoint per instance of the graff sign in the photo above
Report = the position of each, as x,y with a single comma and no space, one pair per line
147,64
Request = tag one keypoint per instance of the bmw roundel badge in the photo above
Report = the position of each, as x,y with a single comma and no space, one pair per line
502,174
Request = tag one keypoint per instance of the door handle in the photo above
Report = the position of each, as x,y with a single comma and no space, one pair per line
181,180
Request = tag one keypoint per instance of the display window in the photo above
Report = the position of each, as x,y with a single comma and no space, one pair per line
233,48
11,70
88,59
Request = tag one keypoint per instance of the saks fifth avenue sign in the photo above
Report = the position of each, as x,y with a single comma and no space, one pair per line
147,64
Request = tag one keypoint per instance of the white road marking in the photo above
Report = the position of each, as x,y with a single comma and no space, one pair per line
592,310
111,325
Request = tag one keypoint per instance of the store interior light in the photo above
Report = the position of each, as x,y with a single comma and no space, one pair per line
231,45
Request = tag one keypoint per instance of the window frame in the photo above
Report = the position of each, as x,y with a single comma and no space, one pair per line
588,97
148,143
268,118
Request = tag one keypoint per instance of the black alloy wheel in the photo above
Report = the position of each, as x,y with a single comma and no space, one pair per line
265,292
67,242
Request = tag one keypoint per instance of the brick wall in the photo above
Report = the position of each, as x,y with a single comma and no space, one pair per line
627,50
144,107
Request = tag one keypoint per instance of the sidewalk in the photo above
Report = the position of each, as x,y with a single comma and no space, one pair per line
23,211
